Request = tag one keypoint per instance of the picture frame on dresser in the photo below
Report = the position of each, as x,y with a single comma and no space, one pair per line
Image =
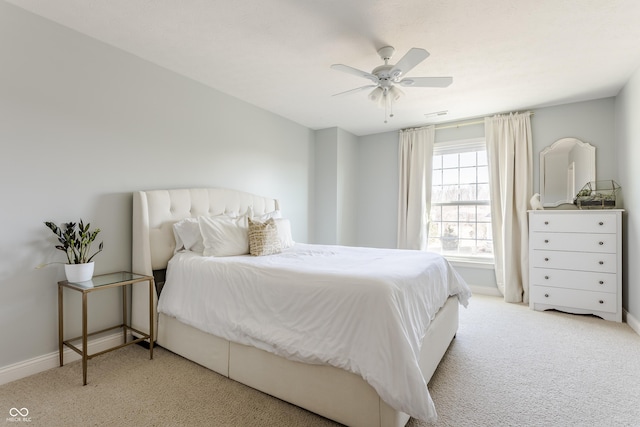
575,261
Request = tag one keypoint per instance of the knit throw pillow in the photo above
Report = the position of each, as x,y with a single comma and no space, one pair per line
263,238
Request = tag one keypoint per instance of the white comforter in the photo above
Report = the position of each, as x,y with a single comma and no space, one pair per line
360,309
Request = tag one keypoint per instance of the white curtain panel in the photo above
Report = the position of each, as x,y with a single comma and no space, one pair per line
510,177
414,195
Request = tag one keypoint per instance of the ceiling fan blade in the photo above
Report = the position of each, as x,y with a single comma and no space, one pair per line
358,89
426,81
355,72
408,61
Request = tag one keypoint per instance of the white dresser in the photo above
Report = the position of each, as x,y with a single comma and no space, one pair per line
575,261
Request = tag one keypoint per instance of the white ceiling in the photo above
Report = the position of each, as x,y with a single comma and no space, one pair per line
504,55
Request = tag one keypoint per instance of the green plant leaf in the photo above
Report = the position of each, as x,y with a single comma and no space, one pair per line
76,243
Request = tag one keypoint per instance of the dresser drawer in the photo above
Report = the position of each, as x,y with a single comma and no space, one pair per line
583,280
578,242
574,223
585,261
571,298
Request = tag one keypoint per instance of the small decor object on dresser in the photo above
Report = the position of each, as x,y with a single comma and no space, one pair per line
75,241
575,261
598,195
535,202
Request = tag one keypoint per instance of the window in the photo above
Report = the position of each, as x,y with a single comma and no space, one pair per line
460,219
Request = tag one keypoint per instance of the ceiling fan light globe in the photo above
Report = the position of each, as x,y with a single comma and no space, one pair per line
376,94
395,93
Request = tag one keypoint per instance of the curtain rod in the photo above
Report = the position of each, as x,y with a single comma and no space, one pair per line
473,122
469,123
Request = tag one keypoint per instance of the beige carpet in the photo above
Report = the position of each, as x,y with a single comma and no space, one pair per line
508,366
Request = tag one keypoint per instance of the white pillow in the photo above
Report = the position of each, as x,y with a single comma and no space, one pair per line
265,216
188,236
224,236
284,232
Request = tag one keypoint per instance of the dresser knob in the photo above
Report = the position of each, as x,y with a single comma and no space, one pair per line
547,223
601,262
601,302
546,259
601,223
601,282
546,277
546,240
601,243
546,295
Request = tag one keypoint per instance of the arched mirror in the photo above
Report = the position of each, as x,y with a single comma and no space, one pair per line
565,167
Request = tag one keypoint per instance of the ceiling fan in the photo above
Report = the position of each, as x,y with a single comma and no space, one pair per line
386,78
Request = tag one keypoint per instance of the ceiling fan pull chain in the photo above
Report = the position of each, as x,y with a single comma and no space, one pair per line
385,106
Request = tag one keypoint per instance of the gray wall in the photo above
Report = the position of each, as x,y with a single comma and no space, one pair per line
627,162
378,182
336,167
348,165
82,126
325,228
591,121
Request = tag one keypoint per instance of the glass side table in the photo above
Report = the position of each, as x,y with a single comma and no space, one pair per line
98,283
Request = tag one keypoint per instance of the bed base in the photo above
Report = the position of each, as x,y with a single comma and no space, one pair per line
331,392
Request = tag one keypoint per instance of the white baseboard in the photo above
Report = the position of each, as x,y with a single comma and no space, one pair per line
45,362
631,321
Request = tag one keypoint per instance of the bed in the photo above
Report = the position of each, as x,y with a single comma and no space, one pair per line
324,384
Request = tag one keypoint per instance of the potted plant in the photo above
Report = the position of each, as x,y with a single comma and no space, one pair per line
449,239
75,241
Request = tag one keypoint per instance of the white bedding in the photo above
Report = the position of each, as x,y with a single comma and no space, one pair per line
360,309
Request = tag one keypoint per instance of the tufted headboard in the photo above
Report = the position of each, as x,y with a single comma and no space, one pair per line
155,212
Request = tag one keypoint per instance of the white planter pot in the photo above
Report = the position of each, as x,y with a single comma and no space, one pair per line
79,272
